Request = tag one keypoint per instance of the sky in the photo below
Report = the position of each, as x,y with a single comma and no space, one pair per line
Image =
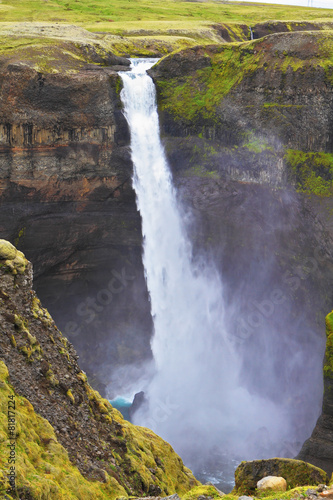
328,4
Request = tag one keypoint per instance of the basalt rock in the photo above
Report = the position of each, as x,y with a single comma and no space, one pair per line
67,201
260,30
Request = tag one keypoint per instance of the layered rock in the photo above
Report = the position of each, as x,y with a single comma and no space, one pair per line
66,199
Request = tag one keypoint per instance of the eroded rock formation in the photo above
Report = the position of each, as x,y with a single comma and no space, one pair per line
66,199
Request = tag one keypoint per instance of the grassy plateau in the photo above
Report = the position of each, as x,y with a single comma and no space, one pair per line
192,21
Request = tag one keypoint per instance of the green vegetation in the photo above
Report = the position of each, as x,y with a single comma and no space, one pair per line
42,465
142,27
295,472
10,258
101,13
145,450
199,491
328,366
195,98
255,144
291,493
312,172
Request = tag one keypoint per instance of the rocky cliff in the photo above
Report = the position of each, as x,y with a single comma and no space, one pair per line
318,449
40,373
66,195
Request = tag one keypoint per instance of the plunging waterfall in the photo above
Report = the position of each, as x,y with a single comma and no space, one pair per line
195,400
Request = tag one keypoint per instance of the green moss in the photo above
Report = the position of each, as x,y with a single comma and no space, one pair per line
144,451
32,339
295,472
7,250
70,396
20,235
52,378
196,98
42,465
203,490
20,323
199,171
293,493
311,172
253,143
328,365
82,376
40,312
11,258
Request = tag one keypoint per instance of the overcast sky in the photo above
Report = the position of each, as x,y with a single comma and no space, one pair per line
305,3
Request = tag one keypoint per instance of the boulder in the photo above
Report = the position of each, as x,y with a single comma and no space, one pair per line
327,494
275,483
295,472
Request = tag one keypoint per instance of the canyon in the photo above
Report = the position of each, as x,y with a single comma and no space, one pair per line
247,131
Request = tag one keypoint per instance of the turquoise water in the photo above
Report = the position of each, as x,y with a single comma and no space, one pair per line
123,405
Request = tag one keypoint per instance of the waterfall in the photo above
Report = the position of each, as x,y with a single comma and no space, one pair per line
251,33
195,400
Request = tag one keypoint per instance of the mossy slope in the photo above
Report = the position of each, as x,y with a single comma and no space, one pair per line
115,457
328,365
311,172
195,96
265,101
42,467
50,48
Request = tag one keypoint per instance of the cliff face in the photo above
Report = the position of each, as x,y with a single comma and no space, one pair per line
43,368
251,102
318,449
66,199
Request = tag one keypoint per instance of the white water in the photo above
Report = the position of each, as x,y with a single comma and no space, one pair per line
195,399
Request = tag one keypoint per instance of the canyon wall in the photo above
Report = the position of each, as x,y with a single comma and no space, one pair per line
247,129
66,199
